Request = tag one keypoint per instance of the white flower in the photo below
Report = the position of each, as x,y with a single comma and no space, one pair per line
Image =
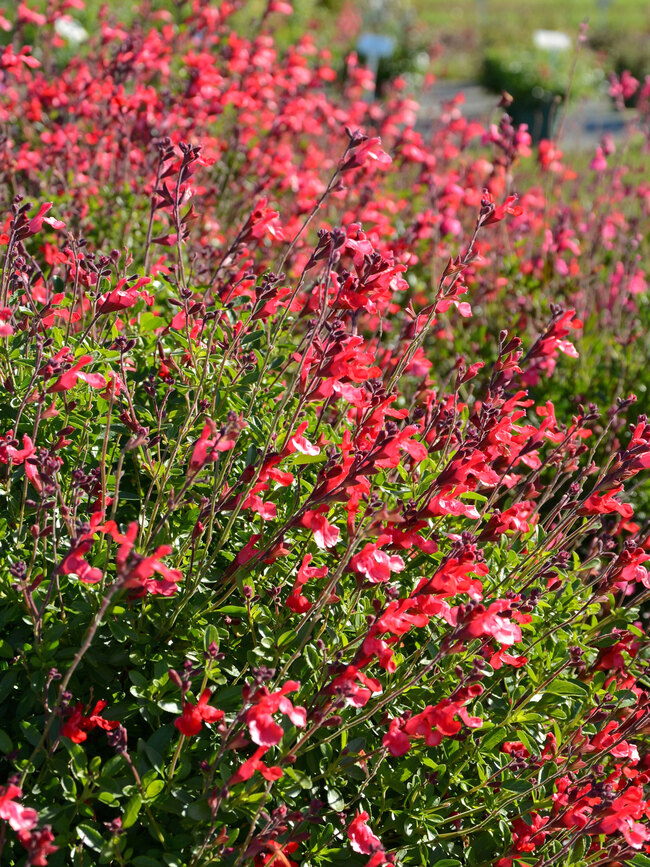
70,29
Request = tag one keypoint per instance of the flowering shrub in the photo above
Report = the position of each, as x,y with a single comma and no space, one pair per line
308,557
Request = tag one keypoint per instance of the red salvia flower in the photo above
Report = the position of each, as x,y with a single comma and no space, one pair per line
364,841
255,763
259,718
363,149
491,213
19,818
121,299
77,725
296,601
376,565
194,715
326,535
69,379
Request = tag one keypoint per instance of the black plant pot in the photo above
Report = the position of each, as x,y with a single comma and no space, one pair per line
540,115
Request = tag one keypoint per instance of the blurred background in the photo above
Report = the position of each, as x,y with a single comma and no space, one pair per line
554,58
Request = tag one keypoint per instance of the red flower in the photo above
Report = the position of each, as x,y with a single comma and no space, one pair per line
277,853
491,213
502,657
194,715
38,845
121,299
77,726
211,442
9,60
362,148
623,88
73,727
255,763
20,818
376,564
612,657
75,562
609,739
296,601
603,503
627,568
282,8
527,837
513,519
13,454
376,647
263,730
362,838
262,221
94,719
31,16
36,223
490,622
355,686
516,748
69,379
137,571
298,443
621,817
6,329
433,724
397,742
326,535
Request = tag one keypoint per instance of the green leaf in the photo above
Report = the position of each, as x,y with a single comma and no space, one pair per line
519,786
7,683
170,706
232,609
300,458
199,811
78,755
108,798
527,741
626,698
210,636
302,779
69,787
139,680
91,837
567,688
492,738
154,789
131,811
6,744
335,799
149,322
152,754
